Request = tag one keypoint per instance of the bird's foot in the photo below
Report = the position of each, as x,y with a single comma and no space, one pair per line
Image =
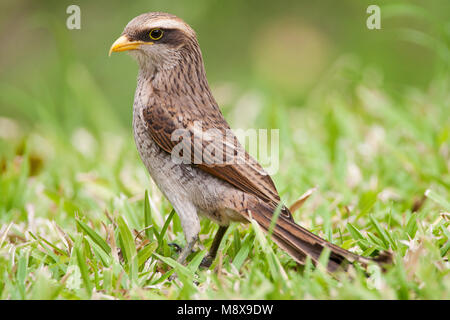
183,253
176,246
207,261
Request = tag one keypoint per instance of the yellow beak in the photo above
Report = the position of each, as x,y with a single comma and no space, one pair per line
124,44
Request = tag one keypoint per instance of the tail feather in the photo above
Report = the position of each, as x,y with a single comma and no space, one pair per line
299,242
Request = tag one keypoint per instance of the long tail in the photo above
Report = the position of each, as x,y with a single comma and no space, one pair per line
300,243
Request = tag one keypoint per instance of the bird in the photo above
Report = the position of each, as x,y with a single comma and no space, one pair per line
173,96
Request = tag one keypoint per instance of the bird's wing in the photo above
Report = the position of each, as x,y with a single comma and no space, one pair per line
211,142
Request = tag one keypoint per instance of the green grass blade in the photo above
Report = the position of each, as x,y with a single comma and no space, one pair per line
21,274
84,270
243,252
438,199
128,247
164,228
94,236
146,252
357,236
148,217
366,202
380,231
195,262
411,226
105,258
179,268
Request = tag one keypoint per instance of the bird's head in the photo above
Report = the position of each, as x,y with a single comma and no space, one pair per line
157,40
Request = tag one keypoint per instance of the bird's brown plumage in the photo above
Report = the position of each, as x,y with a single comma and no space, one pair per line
183,98
173,94
248,176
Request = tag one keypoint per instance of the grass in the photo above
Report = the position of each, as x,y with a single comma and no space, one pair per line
81,219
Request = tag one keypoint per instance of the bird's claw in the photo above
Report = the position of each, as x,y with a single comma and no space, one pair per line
176,246
206,261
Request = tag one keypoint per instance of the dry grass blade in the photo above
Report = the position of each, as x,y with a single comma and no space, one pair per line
5,233
299,203
64,237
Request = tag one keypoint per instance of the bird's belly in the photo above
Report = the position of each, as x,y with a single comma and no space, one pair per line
169,176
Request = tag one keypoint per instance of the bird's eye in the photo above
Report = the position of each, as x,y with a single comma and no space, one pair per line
156,34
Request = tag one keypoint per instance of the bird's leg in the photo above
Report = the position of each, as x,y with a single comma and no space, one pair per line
208,260
191,227
191,239
187,249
